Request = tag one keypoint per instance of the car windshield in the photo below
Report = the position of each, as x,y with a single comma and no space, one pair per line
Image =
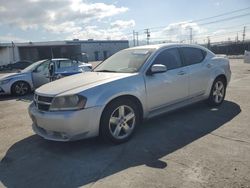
125,61
32,66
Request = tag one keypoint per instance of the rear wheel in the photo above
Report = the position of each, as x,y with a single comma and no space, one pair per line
218,92
20,88
119,121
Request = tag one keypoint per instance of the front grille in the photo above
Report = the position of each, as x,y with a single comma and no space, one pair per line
43,107
42,102
1,90
45,99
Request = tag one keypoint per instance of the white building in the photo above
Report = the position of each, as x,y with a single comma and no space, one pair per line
96,50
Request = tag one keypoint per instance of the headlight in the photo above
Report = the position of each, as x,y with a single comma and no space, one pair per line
70,102
2,82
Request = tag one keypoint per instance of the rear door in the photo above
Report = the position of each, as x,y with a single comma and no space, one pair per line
170,87
195,60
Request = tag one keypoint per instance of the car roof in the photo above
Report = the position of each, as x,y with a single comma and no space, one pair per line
59,59
158,46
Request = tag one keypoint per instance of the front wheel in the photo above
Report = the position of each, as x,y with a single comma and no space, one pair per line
218,92
119,120
20,88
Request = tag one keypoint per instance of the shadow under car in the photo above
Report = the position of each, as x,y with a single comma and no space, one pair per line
35,162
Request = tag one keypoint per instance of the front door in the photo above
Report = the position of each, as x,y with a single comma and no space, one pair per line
40,75
170,87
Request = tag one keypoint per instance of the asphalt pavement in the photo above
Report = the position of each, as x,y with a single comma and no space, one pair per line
192,147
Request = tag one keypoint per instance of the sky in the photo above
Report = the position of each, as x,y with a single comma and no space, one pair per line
53,20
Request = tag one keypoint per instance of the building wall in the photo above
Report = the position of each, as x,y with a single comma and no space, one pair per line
95,50
8,55
98,51
230,48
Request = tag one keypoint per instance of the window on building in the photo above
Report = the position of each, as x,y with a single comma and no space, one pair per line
96,55
105,55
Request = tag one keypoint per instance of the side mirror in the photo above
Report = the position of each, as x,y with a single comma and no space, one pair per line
158,68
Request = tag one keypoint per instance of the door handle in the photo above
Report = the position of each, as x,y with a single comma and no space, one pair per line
181,73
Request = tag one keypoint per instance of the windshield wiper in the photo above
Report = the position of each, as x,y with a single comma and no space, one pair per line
105,71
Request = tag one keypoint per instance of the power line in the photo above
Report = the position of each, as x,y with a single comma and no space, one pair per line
210,32
207,18
234,26
226,19
148,33
219,15
201,37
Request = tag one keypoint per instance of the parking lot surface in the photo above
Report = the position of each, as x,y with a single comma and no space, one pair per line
193,147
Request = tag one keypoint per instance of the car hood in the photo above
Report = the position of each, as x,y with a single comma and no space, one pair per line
12,75
83,81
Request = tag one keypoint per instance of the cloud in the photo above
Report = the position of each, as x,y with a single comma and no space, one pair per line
10,37
178,32
54,15
122,24
220,31
94,32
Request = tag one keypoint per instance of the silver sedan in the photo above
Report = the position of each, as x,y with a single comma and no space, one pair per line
132,85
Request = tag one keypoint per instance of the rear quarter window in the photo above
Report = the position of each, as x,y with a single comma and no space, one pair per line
193,55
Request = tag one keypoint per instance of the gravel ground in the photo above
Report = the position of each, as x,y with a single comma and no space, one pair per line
192,147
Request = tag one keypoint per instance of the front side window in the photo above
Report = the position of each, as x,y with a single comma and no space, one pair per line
192,55
43,68
33,66
125,61
170,58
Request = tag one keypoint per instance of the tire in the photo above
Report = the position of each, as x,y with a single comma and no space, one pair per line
217,93
119,120
20,88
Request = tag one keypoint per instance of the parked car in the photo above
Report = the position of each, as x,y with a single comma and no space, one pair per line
19,65
132,85
40,73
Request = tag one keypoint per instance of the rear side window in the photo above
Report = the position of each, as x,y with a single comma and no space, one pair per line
65,64
170,58
193,55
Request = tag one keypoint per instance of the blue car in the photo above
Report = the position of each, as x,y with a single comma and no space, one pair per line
39,73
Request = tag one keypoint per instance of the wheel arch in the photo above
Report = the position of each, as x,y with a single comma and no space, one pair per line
133,98
222,76
25,81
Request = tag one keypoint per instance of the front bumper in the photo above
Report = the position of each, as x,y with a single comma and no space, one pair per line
5,89
66,125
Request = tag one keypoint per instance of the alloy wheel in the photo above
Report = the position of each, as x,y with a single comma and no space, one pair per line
218,92
122,122
21,88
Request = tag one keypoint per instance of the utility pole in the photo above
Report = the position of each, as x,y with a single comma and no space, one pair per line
208,42
244,34
147,32
134,37
13,51
191,35
137,38
237,38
